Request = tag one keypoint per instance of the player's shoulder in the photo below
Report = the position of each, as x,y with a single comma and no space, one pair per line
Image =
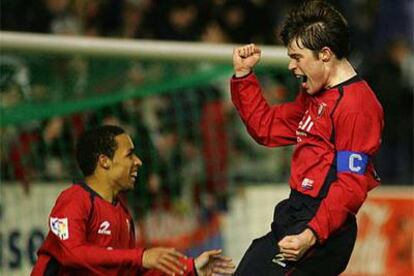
75,195
74,191
358,97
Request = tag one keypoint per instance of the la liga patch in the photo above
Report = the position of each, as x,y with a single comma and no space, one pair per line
60,227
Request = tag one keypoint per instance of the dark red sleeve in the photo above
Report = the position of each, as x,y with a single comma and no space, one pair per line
355,132
268,125
70,247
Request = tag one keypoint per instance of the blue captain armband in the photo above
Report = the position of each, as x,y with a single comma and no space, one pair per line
351,161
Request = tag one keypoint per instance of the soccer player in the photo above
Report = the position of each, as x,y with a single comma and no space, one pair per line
91,230
335,124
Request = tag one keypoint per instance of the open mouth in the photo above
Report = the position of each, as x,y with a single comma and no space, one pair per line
303,79
134,175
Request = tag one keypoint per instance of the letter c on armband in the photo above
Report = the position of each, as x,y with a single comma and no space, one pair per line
351,161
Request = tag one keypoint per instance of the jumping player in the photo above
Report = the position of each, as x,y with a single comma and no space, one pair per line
335,124
91,230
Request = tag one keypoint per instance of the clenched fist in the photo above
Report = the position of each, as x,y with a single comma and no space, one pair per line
245,58
293,247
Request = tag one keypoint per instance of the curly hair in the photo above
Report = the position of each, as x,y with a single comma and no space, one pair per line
94,142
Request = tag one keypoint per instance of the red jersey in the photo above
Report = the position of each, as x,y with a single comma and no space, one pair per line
90,236
336,132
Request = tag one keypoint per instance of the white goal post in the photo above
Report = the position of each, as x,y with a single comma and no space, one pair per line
132,48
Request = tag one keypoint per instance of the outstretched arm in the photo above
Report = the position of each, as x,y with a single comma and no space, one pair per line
68,231
164,259
207,264
210,262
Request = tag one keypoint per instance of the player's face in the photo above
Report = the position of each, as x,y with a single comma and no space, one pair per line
310,68
125,164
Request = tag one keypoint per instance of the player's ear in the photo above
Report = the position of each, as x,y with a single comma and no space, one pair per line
104,161
326,54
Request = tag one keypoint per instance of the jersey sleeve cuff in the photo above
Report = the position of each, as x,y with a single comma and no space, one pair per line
318,240
243,77
315,229
189,263
139,254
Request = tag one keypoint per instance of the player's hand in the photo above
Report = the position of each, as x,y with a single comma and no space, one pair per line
294,247
164,259
245,58
211,262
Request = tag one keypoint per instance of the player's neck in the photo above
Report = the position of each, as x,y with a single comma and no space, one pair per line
341,71
101,187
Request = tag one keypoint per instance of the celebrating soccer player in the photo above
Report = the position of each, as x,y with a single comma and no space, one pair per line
91,230
335,124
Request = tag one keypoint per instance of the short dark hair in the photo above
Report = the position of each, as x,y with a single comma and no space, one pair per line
317,24
94,142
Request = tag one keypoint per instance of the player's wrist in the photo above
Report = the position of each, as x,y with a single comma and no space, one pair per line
197,267
242,73
309,236
144,259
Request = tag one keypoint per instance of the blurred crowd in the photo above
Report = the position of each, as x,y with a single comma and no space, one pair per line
373,22
192,144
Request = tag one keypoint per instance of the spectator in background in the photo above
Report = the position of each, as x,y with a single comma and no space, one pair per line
36,152
193,184
214,33
56,142
108,17
132,20
15,81
394,20
89,14
362,24
238,20
169,165
215,145
391,76
180,20
40,16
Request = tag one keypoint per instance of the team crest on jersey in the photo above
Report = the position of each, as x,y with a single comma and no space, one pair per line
60,227
321,108
307,184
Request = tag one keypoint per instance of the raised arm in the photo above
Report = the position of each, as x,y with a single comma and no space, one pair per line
268,125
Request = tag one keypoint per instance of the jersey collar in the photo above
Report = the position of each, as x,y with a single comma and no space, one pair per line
85,186
355,78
